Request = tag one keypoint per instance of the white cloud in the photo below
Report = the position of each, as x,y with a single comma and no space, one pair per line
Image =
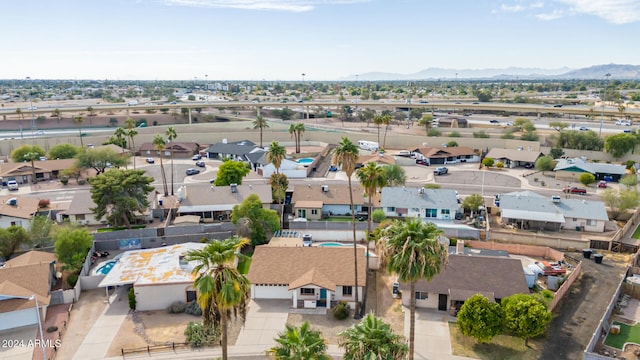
276,5
614,11
512,8
555,14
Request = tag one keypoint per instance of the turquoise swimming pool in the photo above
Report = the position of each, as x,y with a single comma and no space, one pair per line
104,268
306,161
331,244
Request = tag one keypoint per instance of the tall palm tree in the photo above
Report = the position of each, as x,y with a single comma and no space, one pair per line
20,113
372,338
171,135
377,120
131,132
57,113
260,123
299,344
275,155
372,177
411,250
222,291
386,120
346,156
32,156
159,145
299,131
79,120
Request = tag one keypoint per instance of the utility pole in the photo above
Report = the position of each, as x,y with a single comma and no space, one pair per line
604,100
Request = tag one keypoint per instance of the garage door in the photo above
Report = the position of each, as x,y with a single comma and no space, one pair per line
271,292
436,161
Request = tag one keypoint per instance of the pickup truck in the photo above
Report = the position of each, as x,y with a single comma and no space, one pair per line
553,269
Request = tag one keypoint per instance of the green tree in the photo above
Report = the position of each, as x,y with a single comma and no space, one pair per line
40,228
223,293
18,154
480,318
367,115
488,162
472,202
299,344
386,121
275,155
411,249
159,145
629,180
79,120
251,215
231,172
171,135
545,163
119,195
481,135
57,114
72,245
120,136
556,153
372,338
580,140
296,131
63,151
619,144
525,316
372,178
620,200
261,124
12,239
99,159
346,156
558,125
279,184
586,179
130,124
20,113
395,175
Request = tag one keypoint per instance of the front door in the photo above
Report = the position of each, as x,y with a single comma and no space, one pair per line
323,294
442,302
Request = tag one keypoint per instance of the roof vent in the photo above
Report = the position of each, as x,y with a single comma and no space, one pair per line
555,199
421,190
234,188
325,188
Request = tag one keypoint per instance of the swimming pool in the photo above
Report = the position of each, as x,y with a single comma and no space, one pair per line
331,244
104,267
305,161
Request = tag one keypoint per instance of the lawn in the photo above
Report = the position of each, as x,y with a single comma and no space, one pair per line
636,234
627,334
500,347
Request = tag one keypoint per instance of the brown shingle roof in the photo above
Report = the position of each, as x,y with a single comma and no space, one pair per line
383,160
337,194
10,288
25,206
434,152
292,266
81,204
24,280
32,257
471,274
24,168
313,277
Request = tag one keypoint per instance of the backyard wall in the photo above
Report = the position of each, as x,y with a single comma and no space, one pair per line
519,249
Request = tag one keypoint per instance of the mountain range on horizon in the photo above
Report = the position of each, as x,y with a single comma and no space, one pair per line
617,71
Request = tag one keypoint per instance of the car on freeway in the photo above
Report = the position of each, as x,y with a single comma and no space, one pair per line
557,105
31,108
192,171
424,102
494,121
624,123
200,163
150,161
574,190
583,128
196,157
508,123
441,170
475,103
627,131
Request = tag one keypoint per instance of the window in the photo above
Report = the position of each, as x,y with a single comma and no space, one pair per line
591,222
191,295
444,211
347,290
314,211
307,291
431,213
79,216
421,295
391,209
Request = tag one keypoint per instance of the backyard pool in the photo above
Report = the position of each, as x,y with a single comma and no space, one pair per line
334,244
104,267
305,161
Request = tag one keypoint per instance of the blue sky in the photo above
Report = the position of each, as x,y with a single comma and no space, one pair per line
325,39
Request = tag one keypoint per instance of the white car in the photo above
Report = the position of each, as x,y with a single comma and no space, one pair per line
624,123
31,108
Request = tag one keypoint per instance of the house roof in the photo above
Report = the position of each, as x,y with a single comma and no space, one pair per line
285,242
152,266
31,257
24,168
402,197
189,147
24,209
336,194
332,266
113,147
578,164
258,156
377,158
539,208
435,152
186,219
309,204
24,280
514,155
235,148
468,275
204,197
9,289
80,204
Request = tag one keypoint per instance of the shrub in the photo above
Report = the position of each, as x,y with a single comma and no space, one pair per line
499,164
193,308
177,307
72,279
132,299
64,180
197,335
51,329
455,134
434,132
488,162
629,164
378,215
341,311
43,203
82,181
480,134
432,186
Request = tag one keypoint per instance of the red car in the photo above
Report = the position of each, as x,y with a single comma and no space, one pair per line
602,184
574,190
551,268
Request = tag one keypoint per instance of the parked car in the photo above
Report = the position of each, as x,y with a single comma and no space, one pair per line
12,185
200,163
422,162
192,171
529,165
552,269
196,157
333,168
602,184
150,161
440,170
574,190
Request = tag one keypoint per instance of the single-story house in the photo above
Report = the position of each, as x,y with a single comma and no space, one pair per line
80,212
380,159
446,155
180,150
45,170
215,203
290,168
312,201
308,276
495,277
571,169
17,210
528,210
453,122
512,158
237,150
159,276
27,275
428,204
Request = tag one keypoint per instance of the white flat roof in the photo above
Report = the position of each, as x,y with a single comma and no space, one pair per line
533,215
152,266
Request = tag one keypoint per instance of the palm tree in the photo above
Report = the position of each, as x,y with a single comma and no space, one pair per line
411,250
20,113
222,291
372,177
275,155
260,123
372,338
386,120
159,145
131,132
377,120
79,120
32,156
120,135
57,113
299,344
171,135
299,131
346,156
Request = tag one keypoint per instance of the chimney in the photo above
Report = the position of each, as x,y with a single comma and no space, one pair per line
460,247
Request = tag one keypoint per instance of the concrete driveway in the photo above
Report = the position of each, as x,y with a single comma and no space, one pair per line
265,319
432,339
